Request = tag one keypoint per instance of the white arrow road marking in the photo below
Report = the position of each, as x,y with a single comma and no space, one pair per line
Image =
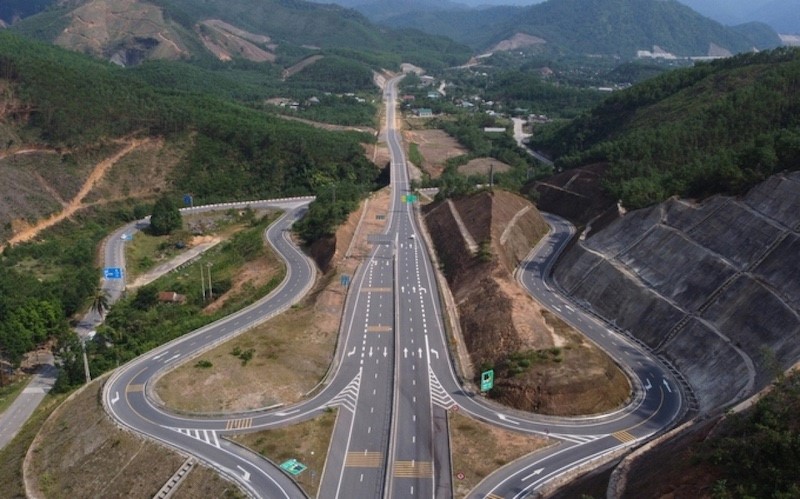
535,473
507,419
370,351
648,385
351,352
667,385
434,352
419,352
245,473
178,355
405,353
384,352
402,289
116,398
286,413
160,355
423,290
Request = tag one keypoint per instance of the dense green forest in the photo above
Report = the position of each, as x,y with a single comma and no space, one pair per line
755,453
720,127
235,152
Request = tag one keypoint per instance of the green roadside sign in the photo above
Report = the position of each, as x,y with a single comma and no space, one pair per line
293,467
487,380
409,198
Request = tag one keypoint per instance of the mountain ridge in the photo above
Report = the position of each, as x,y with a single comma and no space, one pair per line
611,27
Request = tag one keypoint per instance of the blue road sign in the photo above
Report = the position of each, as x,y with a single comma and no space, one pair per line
112,273
345,280
126,237
187,200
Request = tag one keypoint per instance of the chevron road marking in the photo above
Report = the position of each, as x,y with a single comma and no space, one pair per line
207,436
349,395
439,395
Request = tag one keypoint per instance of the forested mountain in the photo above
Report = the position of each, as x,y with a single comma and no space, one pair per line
781,15
252,29
614,27
66,103
719,127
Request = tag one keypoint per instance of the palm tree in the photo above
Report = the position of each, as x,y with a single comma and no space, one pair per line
100,301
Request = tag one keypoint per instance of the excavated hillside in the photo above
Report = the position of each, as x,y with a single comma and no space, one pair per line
713,287
540,363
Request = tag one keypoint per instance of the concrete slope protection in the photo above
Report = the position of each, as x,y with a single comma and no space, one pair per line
392,377
714,286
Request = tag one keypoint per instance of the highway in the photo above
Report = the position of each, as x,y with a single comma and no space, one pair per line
392,379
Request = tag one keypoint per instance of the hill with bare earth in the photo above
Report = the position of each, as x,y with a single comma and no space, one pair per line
540,363
128,32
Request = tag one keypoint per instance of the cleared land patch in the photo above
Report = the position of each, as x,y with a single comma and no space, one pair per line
435,147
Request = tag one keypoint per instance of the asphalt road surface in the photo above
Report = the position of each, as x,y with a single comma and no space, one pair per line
393,379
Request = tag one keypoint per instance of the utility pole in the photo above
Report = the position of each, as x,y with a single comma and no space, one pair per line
210,290
203,282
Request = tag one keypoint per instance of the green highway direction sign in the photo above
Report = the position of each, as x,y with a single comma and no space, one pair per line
293,467
409,198
487,380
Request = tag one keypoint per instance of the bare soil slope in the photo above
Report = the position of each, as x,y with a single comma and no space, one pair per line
540,363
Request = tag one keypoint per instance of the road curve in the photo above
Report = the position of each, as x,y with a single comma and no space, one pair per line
393,379
125,393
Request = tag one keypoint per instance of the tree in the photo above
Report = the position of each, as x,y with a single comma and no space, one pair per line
100,302
165,217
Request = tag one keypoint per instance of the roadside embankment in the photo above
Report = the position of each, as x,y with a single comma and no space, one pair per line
713,287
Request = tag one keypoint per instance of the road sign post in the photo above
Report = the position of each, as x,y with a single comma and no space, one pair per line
487,380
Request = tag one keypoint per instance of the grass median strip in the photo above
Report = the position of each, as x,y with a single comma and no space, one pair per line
307,442
478,449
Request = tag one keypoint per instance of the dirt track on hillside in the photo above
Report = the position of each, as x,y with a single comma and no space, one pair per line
76,203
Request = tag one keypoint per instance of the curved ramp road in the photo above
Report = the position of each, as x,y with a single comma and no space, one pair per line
125,397
392,377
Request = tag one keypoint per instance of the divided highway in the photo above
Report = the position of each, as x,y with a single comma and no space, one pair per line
392,379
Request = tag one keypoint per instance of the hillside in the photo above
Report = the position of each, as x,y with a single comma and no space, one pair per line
713,286
91,145
540,363
610,27
719,127
129,31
